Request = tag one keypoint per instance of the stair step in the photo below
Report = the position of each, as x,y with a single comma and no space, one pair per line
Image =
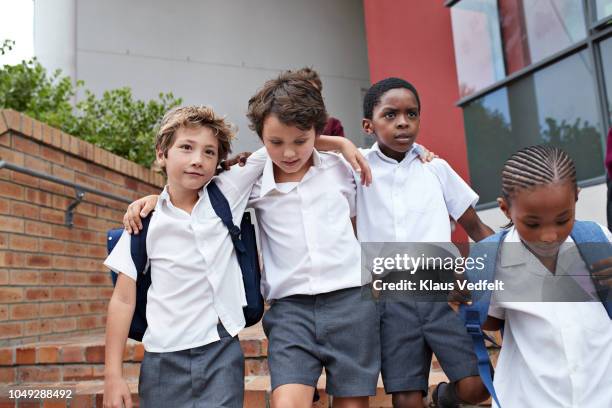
78,362
81,358
89,394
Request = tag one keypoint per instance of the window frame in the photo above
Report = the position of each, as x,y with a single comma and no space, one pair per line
596,32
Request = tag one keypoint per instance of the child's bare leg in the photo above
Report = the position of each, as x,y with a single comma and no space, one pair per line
351,402
292,396
471,390
408,399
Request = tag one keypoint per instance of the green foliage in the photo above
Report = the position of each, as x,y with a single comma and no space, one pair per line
120,124
27,88
115,121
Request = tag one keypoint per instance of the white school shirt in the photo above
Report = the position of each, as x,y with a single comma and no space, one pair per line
195,276
410,201
307,238
554,354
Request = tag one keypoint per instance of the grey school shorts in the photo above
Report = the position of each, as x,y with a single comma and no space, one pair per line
210,376
410,332
338,331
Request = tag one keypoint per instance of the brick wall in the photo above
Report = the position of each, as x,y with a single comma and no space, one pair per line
52,281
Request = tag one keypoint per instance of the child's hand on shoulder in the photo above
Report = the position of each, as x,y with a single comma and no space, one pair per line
116,393
351,154
425,155
139,209
239,159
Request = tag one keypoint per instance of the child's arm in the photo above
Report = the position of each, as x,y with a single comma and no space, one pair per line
139,209
349,151
120,311
334,143
473,225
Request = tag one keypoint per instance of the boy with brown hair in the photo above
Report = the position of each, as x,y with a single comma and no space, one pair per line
304,202
194,304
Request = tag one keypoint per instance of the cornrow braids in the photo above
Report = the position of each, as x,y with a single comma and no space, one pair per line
535,166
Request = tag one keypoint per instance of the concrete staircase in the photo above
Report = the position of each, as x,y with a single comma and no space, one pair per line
77,364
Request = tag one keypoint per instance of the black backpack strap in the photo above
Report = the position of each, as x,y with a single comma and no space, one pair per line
138,250
222,209
138,246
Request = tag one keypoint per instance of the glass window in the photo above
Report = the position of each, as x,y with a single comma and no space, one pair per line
493,39
603,8
606,62
542,108
477,41
535,29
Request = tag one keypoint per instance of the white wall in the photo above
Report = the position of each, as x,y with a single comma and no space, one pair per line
219,52
55,34
591,206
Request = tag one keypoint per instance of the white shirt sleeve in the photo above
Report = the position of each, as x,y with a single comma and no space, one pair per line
458,195
495,309
243,178
349,187
120,258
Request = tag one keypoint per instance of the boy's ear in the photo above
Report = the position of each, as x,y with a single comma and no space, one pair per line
504,207
367,126
160,158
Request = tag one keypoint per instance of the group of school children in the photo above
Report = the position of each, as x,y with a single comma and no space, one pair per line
313,208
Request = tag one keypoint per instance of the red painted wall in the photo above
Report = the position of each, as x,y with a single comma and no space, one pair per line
412,39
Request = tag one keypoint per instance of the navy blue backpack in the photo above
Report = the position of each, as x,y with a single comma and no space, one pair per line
245,246
475,315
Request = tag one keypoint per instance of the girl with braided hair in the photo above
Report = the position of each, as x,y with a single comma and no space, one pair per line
555,353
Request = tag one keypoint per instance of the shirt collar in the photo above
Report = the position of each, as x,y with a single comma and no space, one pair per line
164,196
267,179
518,254
412,154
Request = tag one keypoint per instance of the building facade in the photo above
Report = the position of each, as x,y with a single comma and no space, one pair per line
499,75
213,52
494,75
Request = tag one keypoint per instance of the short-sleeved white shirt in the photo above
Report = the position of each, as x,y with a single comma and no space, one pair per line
410,201
554,354
307,239
195,276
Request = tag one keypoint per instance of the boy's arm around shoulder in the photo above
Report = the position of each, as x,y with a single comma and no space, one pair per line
242,177
350,152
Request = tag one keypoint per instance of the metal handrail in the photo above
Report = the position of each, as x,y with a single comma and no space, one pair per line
79,189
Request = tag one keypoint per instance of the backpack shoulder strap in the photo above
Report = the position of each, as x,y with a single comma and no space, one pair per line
475,315
593,246
112,237
222,209
487,250
138,246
